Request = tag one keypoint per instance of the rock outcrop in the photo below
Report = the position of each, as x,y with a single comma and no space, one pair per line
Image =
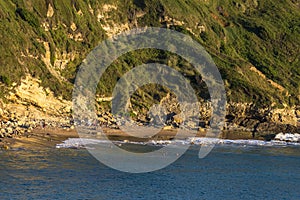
288,137
240,117
29,92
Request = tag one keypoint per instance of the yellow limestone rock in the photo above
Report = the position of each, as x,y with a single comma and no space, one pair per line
50,11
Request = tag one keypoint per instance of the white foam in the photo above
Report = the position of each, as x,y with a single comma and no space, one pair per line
216,141
79,142
83,142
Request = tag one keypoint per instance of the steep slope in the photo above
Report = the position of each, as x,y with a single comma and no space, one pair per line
254,43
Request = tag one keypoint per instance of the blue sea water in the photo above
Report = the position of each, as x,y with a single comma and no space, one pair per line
228,172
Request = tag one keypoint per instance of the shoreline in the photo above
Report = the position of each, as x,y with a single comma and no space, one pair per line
40,138
29,126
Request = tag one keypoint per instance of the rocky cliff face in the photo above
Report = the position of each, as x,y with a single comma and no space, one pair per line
30,92
243,117
269,120
29,105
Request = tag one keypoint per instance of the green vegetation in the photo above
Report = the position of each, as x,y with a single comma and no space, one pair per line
239,34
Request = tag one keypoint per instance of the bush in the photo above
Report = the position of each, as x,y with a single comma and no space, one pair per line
6,80
28,17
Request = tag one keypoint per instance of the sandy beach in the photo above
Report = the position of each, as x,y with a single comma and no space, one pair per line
49,137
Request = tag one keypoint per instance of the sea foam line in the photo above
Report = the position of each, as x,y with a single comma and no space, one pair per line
83,142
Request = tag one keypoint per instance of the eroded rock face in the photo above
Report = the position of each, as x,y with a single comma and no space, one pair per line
241,116
33,106
29,92
247,114
111,27
285,116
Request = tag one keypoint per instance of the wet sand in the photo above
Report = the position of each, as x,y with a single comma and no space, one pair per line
49,137
38,138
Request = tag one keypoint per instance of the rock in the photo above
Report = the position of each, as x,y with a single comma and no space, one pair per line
20,123
202,130
50,11
67,109
22,131
102,120
9,130
279,136
284,116
12,116
297,112
8,135
192,124
99,133
288,137
249,123
177,119
167,128
73,27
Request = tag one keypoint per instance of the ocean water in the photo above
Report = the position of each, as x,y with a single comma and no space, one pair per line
231,171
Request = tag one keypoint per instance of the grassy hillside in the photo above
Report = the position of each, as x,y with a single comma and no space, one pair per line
254,43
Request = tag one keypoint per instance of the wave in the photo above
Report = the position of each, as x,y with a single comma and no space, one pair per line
84,142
